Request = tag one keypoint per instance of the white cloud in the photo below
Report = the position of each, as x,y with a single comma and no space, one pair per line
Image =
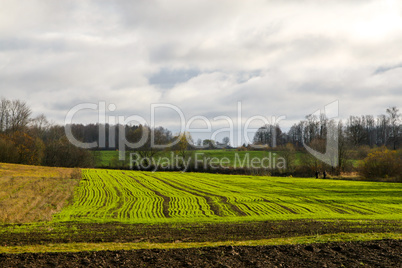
203,56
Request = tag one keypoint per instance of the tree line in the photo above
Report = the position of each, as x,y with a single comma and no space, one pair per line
374,140
34,141
28,140
356,131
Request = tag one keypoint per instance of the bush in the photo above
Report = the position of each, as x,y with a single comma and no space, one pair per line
21,148
30,149
61,153
382,163
362,152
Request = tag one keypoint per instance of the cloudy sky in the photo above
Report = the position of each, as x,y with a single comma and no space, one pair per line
277,58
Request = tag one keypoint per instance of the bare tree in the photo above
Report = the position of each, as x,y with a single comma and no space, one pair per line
289,153
39,125
393,115
267,135
19,114
4,114
356,130
382,130
343,153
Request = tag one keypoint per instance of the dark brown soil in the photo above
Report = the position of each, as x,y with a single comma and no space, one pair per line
118,232
383,253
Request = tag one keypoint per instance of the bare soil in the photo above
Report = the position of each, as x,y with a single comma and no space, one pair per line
164,233
382,253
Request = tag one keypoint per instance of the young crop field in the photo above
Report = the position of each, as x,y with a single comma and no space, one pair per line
146,197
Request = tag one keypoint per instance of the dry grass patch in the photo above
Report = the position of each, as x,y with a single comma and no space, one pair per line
33,193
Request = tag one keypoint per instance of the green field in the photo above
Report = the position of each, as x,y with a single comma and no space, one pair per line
174,197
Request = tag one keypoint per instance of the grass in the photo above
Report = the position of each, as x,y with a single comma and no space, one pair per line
174,197
79,247
32,193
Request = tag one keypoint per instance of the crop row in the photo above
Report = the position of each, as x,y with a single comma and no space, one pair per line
133,196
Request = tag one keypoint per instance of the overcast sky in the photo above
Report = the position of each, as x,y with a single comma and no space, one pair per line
277,57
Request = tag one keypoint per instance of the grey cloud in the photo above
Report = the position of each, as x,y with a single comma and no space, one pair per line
383,69
166,78
277,58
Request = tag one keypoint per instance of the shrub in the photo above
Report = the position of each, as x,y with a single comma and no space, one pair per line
21,148
61,153
30,149
362,152
381,163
